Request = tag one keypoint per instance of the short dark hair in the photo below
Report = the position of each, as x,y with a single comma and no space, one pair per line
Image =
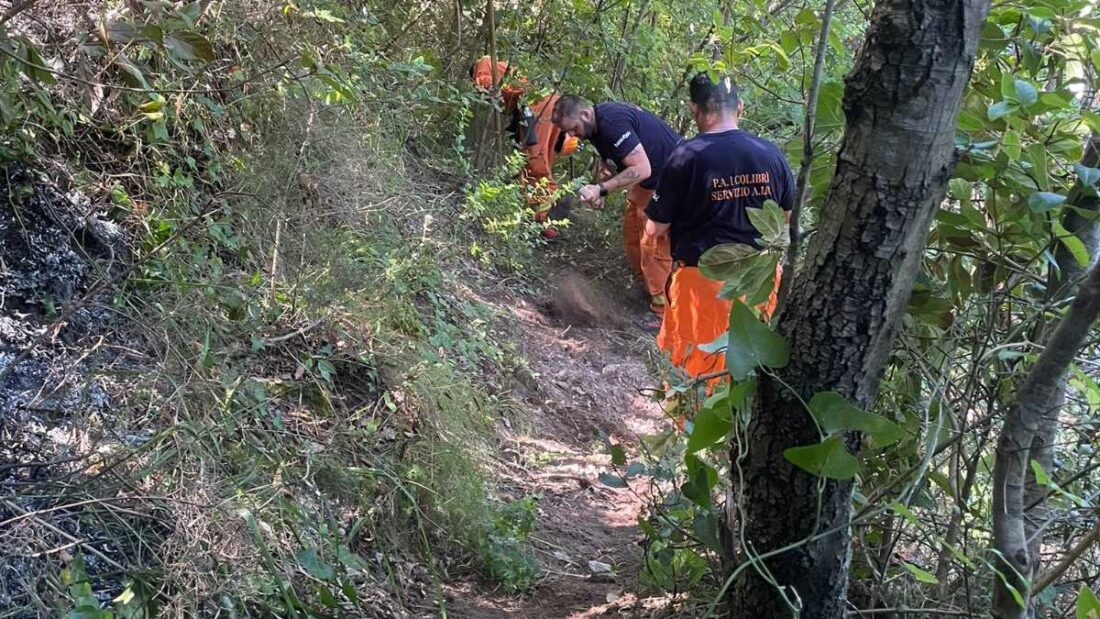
569,106
714,97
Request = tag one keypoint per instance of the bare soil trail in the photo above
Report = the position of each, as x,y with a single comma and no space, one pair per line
589,359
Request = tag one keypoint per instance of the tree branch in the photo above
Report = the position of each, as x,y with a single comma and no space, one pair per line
807,158
1071,557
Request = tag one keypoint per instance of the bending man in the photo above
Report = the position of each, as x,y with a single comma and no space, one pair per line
707,184
633,144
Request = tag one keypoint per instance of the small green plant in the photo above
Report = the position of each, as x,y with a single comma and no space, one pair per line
499,206
84,603
505,550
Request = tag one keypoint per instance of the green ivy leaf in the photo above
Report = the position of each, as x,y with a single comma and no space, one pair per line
789,41
1043,201
830,108
1010,145
752,344
1088,605
836,414
920,575
829,458
906,513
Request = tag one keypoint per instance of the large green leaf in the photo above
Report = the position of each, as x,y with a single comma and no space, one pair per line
830,108
829,458
724,262
835,414
753,280
701,480
752,344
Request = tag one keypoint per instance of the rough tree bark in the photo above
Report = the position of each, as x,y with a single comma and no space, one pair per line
1019,507
901,102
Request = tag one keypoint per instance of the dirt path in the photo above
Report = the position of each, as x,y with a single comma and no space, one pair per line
590,379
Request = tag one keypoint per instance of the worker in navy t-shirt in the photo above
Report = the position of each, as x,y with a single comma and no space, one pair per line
707,184
633,145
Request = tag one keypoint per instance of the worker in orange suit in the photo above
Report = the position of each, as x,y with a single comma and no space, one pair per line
700,202
514,86
633,145
531,127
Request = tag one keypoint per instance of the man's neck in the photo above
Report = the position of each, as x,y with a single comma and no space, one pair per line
722,123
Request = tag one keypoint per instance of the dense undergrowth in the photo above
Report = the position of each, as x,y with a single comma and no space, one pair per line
299,364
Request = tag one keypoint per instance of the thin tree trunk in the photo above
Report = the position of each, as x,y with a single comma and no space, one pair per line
807,157
902,102
1028,415
1040,446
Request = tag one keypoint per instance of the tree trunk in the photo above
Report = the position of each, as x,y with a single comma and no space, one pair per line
902,102
1025,510
1030,415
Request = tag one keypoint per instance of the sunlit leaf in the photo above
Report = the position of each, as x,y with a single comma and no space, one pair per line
1088,605
1041,476
770,222
920,575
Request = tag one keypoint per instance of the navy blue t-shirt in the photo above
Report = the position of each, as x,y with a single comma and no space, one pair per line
707,184
620,127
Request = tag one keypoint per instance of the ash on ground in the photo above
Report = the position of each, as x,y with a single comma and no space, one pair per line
56,347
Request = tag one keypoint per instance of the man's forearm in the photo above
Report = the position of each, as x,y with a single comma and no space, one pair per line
627,178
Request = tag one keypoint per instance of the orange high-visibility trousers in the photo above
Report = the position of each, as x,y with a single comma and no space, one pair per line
697,316
649,256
